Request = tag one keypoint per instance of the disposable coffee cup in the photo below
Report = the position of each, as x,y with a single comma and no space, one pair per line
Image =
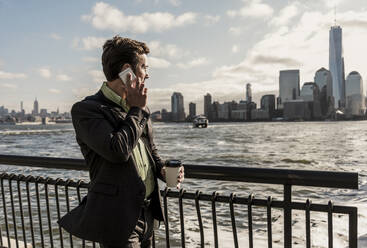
172,172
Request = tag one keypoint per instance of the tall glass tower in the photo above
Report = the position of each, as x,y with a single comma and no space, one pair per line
177,107
35,107
336,65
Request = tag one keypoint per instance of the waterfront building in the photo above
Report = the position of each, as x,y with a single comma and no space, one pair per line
35,107
156,116
43,112
248,93
224,111
297,110
336,65
177,107
3,111
192,109
239,115
355,99
288,86
267,103
214,111
208,107
324,81
310,94
166,116
260,115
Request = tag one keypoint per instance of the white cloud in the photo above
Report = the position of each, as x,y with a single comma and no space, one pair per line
107,17
168,50
158,62
193,63
45,72
235,30
55,36
252,9
88,43
210,19
9,75
285,15
235,49
54,91
97,76
63,77
90,59
9,86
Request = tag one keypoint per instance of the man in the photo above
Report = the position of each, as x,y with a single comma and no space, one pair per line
114,132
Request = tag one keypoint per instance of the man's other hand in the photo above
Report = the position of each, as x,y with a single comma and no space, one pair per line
180,176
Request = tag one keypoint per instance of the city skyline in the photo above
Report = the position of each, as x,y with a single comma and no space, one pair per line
56,59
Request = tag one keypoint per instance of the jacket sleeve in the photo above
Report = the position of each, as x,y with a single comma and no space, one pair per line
94,129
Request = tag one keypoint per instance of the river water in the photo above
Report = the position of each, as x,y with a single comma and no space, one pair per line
325,146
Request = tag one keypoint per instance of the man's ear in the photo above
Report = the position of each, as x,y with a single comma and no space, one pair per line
125,66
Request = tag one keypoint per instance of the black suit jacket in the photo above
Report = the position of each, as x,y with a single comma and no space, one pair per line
107,135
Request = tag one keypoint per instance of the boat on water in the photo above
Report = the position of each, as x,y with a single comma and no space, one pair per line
58,121
200,121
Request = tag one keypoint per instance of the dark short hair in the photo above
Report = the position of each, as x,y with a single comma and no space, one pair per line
117,52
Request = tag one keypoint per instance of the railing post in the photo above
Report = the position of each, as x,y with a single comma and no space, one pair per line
353,229
287,216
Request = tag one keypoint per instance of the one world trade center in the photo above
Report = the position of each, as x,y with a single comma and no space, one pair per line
336,65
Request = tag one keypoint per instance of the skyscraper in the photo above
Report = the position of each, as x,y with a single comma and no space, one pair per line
324,81
192,109
177,107
208,106
336,65
267,103
355,99
248,93
288,86
35,107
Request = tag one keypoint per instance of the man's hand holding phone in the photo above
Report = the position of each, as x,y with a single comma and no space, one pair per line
136,93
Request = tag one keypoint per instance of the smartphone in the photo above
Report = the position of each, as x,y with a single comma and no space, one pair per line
124,75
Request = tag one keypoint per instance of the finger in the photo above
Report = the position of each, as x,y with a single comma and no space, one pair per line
129,80
145,91
141,88
178,186
138,82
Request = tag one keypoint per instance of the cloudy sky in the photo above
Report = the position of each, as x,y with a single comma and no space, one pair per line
51,49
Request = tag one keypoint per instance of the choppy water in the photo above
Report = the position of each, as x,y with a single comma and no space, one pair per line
326,146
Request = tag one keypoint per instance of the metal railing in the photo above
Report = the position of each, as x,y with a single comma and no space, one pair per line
36,203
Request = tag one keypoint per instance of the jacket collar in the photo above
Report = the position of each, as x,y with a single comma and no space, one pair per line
100,97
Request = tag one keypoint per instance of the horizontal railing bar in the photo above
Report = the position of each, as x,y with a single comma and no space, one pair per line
44,162
262,203
274,176
224,173
50,181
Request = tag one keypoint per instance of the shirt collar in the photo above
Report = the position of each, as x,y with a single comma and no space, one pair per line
112,96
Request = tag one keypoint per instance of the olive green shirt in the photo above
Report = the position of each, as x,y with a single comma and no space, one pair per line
140,153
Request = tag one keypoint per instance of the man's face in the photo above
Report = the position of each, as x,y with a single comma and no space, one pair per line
141,68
